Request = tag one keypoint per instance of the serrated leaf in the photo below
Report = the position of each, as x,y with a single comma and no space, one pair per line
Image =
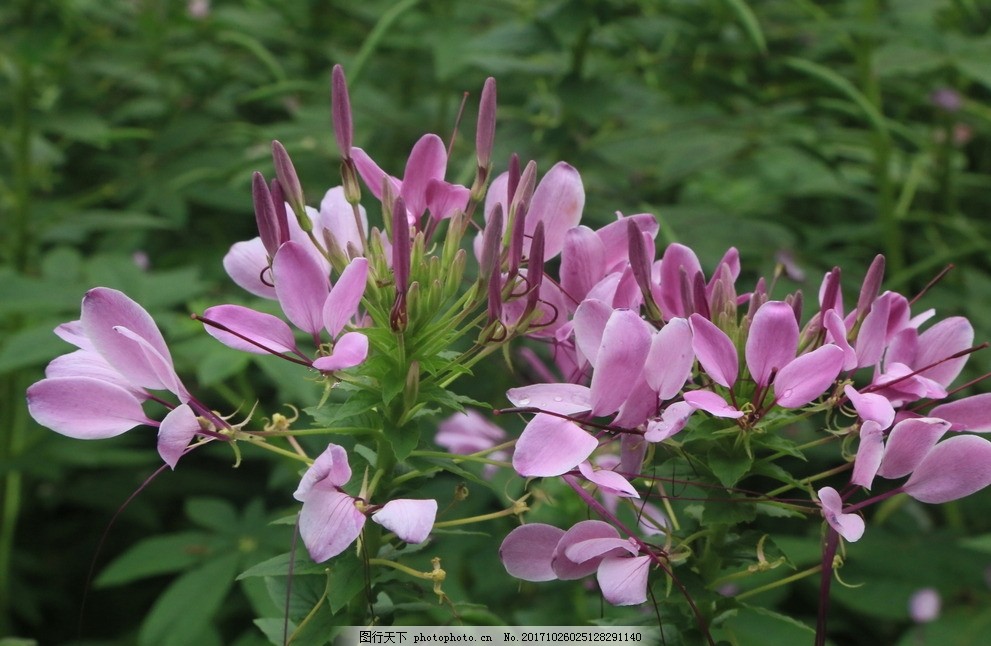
155,556
729,464
186,607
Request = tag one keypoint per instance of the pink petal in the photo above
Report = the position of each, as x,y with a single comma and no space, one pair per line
337,218
175,433
669,362
615,239
557,202
869,454
89,363
330,469
247,263
596,548
162,366
946,338
808,376
411,520
608,481
772,340
582,262
673,419
677,259
301,285
589,323
329,522
873,335
106,309
715,351
526,552
849,526
468,432
444,199
550,446
567,569
711,403
342,304
349,351
837,335
566,399
871,407
269,331
623,580
639,405
652,521
967,414
620,359
84,408
908,443
954,468
427,161
73,332
372,175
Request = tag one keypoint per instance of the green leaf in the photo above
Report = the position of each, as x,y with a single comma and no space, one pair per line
347,579
155,556
279,566
186,607
845,87
404,439
755,625
750,23
729,464
213,513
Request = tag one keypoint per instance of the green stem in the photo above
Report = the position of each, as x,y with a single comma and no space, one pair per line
777,584
811,479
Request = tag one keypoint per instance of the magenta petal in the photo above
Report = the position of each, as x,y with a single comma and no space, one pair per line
954,468
526,552
342,304
427,161
946,338
330,469
849,526
246,263
349,351
589,322
557,202
444,200
620,359
808,376
623,580
677,259
106,309
329,522
908,443
772,340
967,414
175,433
84,408
608,481
871,406
550,446
566,399
711,403
616,240
411,520
372,175
267,330
301,285
669,362
715,351
567,569
869,454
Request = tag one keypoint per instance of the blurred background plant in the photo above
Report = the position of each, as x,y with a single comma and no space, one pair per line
806,134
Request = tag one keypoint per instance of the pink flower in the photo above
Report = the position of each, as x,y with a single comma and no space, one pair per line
849,526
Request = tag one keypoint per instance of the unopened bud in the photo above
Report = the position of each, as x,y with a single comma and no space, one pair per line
491,239
286,173
268,227
485,133
341,112
871,286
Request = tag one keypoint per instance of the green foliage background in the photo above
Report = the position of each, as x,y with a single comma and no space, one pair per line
793,130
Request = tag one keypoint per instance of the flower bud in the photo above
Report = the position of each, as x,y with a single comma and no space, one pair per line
341,112
286,173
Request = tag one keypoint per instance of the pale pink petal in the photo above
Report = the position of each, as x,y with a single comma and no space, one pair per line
623,580
427,161
772,340
849,526
566,399
557,202
908,443
175,433
411,520
589,322
620,359
837,335
640,404
247,265
954,468
596,548
526,552
349,351
330,469
444,199
161,365
89,363
652,521
267,330
329,522
582,262
84,408
372,175
342,304
468,432
106,309
497,195
615,239
632,451
871,407
565,568
808,376
673,419
608,481
946,338
967,414
873,335
337,218
73,332
715,351
301,285
550,446
669,362
677,259
924,605
711,403
869,454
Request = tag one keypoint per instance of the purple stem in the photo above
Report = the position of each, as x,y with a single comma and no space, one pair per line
826,579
